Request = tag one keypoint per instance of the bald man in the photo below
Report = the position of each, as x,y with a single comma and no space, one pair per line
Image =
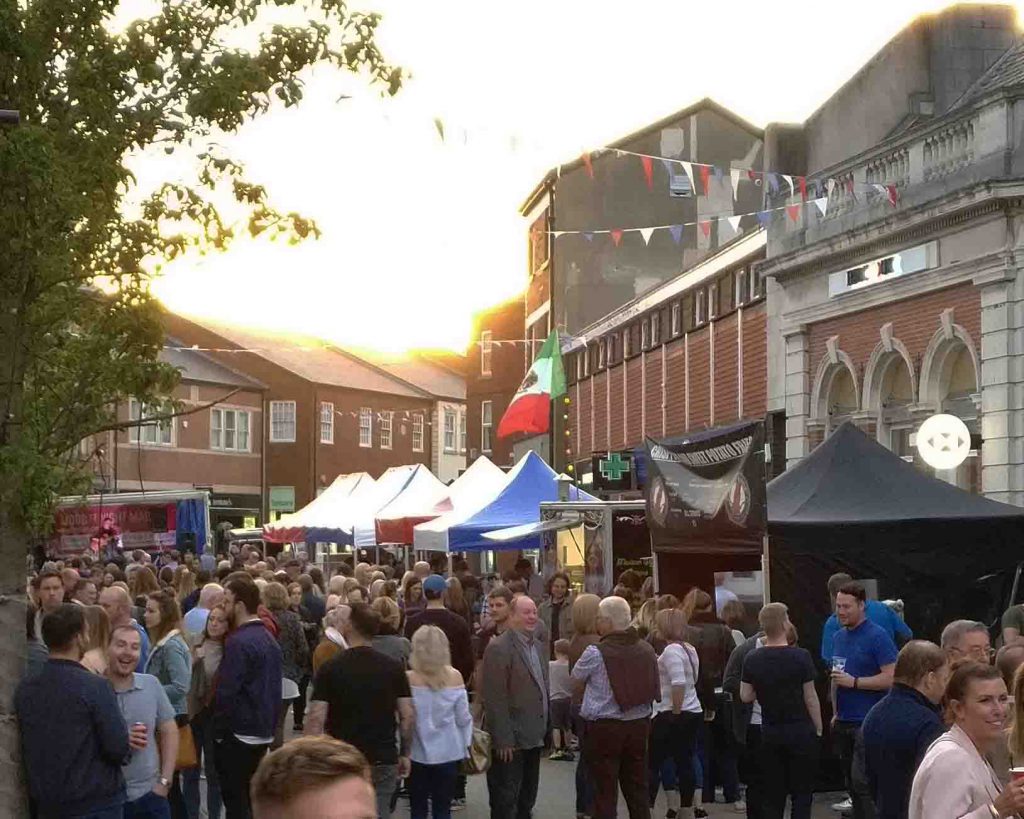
117,603
195,621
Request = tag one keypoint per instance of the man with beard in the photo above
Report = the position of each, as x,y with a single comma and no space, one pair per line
248,695
153,734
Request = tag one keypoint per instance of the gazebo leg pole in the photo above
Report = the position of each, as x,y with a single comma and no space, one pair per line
766,578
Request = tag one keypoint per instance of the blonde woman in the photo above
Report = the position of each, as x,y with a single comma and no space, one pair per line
97,629
444,727
388,640
644,620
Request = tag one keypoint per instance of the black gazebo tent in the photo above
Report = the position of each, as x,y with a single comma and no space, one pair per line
854,506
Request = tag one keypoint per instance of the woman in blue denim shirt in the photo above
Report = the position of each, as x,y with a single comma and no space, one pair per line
170,661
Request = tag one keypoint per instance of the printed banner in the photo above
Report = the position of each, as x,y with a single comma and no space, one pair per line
706,493
140,526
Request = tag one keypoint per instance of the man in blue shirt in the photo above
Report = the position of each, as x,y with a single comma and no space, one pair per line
863,662
898,730
878,613
73,737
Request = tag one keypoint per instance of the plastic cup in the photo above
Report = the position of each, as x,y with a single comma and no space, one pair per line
1016,774
839,664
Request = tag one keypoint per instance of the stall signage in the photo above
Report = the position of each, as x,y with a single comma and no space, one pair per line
613,472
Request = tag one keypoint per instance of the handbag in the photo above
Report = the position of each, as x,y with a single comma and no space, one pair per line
187,757
479,758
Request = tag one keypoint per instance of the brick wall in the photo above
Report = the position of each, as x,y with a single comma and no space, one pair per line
755,362
618,436
653,392
700,379
675,388
726,372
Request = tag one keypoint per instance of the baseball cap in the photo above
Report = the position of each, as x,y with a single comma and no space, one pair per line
434,583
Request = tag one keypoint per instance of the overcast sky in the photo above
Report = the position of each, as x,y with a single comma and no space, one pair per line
419,233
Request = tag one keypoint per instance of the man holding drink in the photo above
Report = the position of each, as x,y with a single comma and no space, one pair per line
863,661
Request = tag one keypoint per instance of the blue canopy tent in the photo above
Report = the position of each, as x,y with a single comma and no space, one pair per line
530,483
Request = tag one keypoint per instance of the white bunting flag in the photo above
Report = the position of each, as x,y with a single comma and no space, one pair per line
831,186
735,174
822,204
646,233
557,233
734,223
789,179
689,174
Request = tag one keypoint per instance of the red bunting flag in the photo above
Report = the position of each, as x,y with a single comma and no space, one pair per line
894,194
587,164
849,185
705,227
705,178
648,171
793,211
801,181
754,177
616,237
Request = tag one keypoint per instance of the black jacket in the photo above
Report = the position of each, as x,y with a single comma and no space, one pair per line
714,643
741,711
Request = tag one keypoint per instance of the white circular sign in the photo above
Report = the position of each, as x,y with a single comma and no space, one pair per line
944,441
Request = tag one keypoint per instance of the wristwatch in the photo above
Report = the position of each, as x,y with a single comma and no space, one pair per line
164,782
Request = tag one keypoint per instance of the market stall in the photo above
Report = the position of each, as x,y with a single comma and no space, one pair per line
415,504
468,493
322,519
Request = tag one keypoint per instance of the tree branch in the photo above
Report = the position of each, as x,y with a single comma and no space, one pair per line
155,419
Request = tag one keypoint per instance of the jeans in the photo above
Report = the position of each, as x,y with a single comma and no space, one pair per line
115,812
150,806
616,752
845,734
789,761
720,757
584,781
512,786
674,737
236,763
433,783
202,734
385,782
299,705
751,773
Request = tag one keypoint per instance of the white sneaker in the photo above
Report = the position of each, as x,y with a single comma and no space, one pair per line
739,806
842,807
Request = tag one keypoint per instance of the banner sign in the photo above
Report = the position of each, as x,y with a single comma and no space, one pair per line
706,492
140,526
613,472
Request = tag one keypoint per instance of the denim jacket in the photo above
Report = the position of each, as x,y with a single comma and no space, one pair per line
171,662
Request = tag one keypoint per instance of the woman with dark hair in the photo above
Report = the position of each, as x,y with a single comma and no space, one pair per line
295,657
206,658
714,643
171,663
142,583
317,576
955,780
556,610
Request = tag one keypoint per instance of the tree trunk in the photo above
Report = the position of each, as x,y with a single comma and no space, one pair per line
13,551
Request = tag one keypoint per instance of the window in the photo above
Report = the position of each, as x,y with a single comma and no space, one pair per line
282,421
159,433
655,329
677,319
365,427
645,334
417,432
742,286
486,424
756,283
229,430
384,429
627,347
874,272
486,345
462,430
586,361
581,361
449,430
326,423
612,354
602,354
713,300
700,307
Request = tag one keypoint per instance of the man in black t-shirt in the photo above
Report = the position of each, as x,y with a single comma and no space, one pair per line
780,678
356,697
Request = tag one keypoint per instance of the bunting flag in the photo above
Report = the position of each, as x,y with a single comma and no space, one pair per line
705,179
646,233
648,171
894,194
688,168
734,222
677,232
831,185
669,165
765,218
705,227
587,164
793,212
616,237
789,181
773,183
735,174
588,236
822,204
530,410
802,183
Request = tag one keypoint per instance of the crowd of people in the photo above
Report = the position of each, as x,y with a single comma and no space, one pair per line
151,680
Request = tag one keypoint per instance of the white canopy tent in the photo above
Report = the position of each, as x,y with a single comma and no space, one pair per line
470,492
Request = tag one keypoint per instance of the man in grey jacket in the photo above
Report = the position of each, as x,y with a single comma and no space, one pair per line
514,686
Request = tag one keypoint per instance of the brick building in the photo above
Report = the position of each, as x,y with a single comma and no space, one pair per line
495,366
217,447
327,411
886,315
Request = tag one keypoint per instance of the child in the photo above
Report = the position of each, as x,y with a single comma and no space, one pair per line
559,698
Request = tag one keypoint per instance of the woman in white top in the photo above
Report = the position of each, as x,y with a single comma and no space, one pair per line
444,727
678,716
954,780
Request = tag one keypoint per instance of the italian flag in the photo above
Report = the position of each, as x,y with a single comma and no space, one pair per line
530,410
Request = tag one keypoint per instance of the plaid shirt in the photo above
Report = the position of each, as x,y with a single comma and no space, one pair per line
598,699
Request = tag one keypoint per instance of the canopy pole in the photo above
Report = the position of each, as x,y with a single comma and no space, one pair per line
766,578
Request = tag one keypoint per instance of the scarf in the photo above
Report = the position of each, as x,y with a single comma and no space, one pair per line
632,668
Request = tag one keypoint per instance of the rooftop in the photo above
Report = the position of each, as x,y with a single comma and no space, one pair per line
199,367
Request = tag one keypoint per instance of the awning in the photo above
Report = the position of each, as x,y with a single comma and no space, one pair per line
529,529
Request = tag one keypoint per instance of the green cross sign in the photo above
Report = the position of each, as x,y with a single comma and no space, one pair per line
613,467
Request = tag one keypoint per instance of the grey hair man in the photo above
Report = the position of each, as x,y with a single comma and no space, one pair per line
195,620
967,639
619,681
